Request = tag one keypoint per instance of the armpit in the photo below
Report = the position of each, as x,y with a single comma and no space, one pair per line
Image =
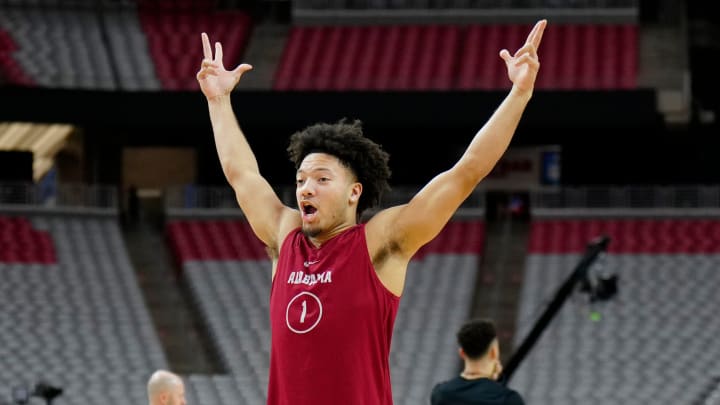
271,252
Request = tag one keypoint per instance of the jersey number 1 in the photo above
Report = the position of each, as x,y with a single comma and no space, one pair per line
304,312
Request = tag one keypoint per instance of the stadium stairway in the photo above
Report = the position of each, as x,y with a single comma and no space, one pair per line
499,284
263,52
181,331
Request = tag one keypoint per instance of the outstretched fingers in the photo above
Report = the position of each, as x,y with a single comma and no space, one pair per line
242,68
536,33
212,65
218,54
531,43
505,55
207,51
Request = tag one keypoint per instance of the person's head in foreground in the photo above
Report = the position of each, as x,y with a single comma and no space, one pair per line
166,388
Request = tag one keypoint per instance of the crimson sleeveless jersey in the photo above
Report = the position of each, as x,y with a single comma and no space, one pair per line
332,321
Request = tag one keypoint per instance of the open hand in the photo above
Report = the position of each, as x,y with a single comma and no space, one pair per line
214,79
523,65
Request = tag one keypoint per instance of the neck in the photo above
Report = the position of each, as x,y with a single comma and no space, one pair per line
477,369
474,375
319,239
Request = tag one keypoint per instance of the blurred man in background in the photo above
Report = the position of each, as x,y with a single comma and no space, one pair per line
476,385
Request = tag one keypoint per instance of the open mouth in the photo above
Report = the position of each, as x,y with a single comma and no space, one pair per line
307,209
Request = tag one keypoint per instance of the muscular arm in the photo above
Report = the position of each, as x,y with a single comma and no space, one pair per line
269,218
410,226
417,222
256,198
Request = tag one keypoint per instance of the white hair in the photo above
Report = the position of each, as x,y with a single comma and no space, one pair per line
162,381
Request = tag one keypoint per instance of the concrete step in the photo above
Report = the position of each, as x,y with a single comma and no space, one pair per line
500,281
185,339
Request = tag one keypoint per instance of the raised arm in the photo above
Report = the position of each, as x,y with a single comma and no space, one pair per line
269,218
412,225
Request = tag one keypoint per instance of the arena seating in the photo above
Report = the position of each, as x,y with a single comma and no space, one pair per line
10,70
447,57
147,47
173,39
129,49
139,47
58,48
653,342
20,242
73,314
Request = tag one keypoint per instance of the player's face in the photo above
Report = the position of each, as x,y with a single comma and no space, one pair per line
324,191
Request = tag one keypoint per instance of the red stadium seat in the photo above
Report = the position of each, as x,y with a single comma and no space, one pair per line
21,243
170,31
427,57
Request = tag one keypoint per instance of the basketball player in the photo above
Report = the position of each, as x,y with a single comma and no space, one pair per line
337,282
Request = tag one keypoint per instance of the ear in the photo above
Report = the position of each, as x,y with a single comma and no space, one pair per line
355,192
494,352
461,353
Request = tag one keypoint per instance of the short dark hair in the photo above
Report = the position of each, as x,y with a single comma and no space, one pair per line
475,337
365,158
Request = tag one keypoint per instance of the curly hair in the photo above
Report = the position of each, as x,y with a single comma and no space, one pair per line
365,158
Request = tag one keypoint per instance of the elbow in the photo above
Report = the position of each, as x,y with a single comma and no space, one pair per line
231,171
473,170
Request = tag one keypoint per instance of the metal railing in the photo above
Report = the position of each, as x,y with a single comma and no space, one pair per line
693,196
201,197
221,197
462,11
80,195
64,195
469,4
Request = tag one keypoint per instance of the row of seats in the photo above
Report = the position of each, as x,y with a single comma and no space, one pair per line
21,243
208,4
214,240
627,235
131,49
174,42
445,57
177,5
466,4
661,323
81,322
10,70
150,48
235,240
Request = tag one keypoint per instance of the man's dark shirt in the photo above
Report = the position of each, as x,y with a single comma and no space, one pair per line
482,391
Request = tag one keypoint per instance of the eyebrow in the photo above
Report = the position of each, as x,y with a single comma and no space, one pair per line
318,169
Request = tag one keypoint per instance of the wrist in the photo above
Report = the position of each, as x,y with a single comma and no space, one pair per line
524,94
219,100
